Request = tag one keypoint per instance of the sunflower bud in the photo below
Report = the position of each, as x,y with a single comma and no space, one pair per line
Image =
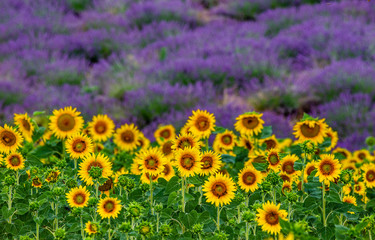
125,227
165,230
92,202
130,184
292,197
25,237
58,191
61,163
232,222
369,220
239,197
34,171
135,209
145,228
144,187
60,233
308,147
158,207
123,180
197,228
370,141
76,211
266,186
71,183
221,236
9,180
248,216
256,206
273,179
346,176
95,172
34,206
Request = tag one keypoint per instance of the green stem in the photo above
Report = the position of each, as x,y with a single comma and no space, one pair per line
263,197
199,236
151,196
206,144
56,213
120,191
97,190
200,195
247,231
133,223
274,195
183,193
218,219
369,234
239,215
324,205
10,203
37,226
289,211
82,230
75,163
302,175
18,177
157,222
109,229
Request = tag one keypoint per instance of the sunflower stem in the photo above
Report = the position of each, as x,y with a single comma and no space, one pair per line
200,195
157,221
289,211
183,193
109,229
239,215
18,177
151,197
10,203
302,176
247,231
82,230
369,234
37,226
75,163
218,219
133,223
324,205
56,213
274,195
207,144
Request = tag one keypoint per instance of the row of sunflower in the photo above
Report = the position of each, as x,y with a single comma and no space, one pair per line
67,179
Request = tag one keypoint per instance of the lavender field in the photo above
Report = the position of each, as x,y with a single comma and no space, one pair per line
153,62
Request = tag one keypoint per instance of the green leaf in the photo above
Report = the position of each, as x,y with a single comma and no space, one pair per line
173,185
228,158
260,166
326,143
219,130
22,208
308,117
38,133
296,149
163,53
196,180
298,165
37,113
341,231
266,132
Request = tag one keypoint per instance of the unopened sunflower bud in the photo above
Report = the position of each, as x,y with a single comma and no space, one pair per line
58,191
60,233
122,180
346,176
144,187
292,197
197,228
273,179
165,230
9,180
248,216
76,211
221,236
61,163
370,141
34,206
71,183
145,228
308,147
25,238
125,227
158,207
266,186
92,202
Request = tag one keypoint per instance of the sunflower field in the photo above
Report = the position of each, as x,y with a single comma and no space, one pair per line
72,179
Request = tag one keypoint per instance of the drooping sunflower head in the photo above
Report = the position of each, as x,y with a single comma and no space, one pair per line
247,142
310,167
151,161
362,154
126,137
313,130
344,152
65,122
249,178
25,126
273,159
287,187
334,138
270,142
10,139
109,207
79,146
359,188
143,142
93,160
36,182
15,161
226,140
185,140
188,161
167,150
269,217
287,165
78,197
328,168
92,228
249,123
168,171
201,123
165,133
52,175
211,163
219,189
350,200
369,175
101,128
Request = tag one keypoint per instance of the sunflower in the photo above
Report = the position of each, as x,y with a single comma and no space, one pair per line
25,126
10,139
36,182
226,140
347,189
285,143
313,130
168,172
270,142
347,165
219,189
273,159
165,133
167,150
359,188
344,152
52,175
78,197
369,175
151,161
145,178
328,168
269,217
249,178
249,123
79,146
334,138
101,128
93,160
109,207
98,147
126,137
362,154
65,122
185,140
350,200
287,165
15,161
310,167
201,123
91,228
211,163
246,142
135,168
287,187
143,142
188,161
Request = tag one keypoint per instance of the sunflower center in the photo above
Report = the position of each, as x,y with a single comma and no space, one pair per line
93,227
145,230
109,206
309,170
285,177
326,168
166,170
185,143
66,122
100,127
310,132
79,146
79,198
207,162
25,124
274,159
288,167
36,181
202,123
270,144
8,138
357,188
140,142
248,145
286,188
187,161
219,189
127,136
272,218
167,148
106,186
15,161
361,156
94,164
152,163
370,176
227,139
249,178
250,122
153,177
165,133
